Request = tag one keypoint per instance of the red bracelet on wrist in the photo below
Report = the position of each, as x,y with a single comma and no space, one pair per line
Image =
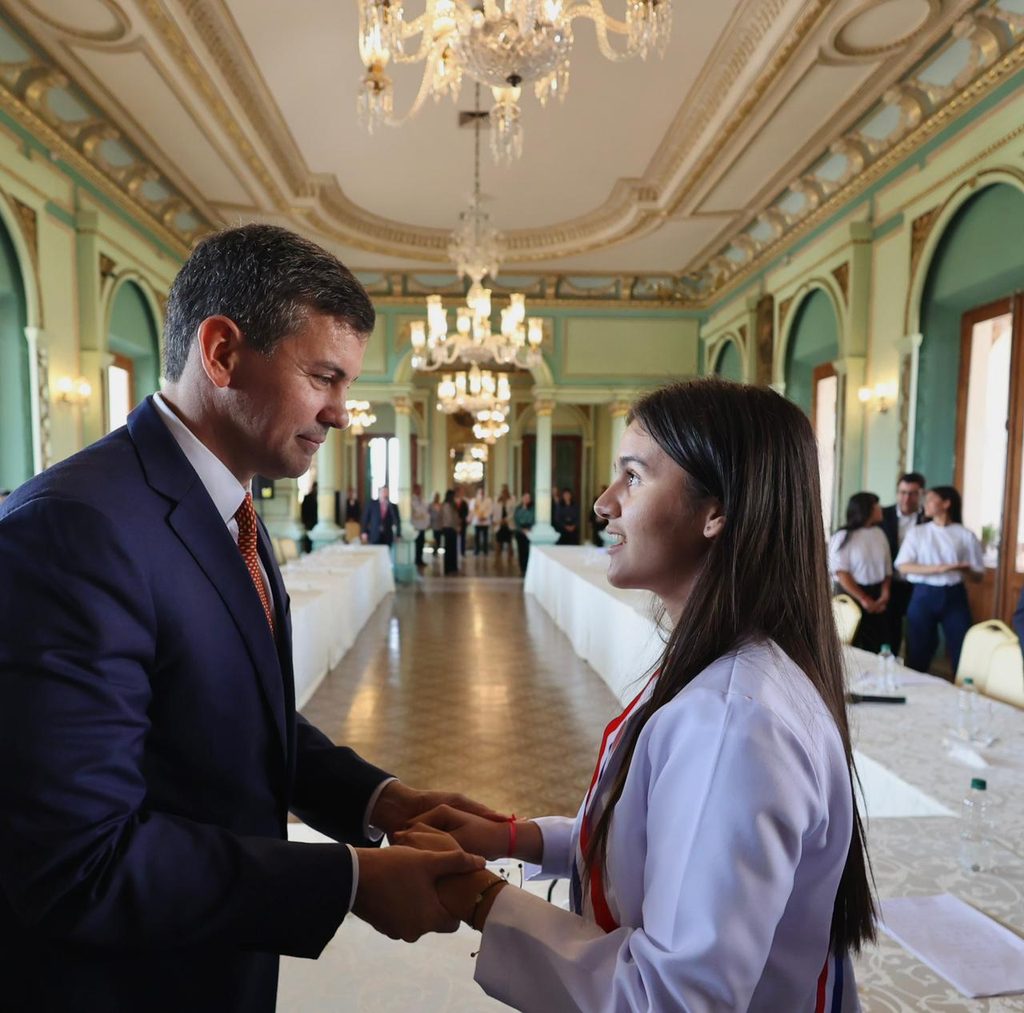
512,833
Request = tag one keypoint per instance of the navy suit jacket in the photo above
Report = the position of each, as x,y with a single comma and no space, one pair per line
150,750
891,526
376,532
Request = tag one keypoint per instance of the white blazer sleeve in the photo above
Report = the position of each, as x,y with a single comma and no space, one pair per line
556,833
727,793
974,553
838,558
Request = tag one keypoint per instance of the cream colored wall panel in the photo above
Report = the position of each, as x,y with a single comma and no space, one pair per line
136,84
813,100
375,361
595,347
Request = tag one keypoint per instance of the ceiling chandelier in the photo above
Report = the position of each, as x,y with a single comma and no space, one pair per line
476,391
503,44
475,249
490,426
360,416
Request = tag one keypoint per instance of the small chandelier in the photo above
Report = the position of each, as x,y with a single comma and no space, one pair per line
503,44
475,250
474,391
360,416
490,425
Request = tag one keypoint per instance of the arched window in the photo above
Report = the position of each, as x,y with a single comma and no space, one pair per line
133,341
970,391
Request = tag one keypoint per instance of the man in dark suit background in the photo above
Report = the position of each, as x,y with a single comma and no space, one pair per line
149,742
381,522
897,520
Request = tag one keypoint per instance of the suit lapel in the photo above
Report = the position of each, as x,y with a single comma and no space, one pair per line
282,616
195,520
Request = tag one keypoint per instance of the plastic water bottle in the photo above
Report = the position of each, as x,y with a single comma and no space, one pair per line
966,710
887,663
975,830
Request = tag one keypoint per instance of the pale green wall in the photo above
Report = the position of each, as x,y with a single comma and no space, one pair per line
730,363
135,334
15,404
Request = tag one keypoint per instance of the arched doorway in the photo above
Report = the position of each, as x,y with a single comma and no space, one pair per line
133,340
729,362
812,383
970,401
15,373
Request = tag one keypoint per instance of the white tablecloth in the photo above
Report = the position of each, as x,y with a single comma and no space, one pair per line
611,629
913,785
333,592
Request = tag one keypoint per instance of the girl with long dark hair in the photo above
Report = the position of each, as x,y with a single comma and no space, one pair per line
860,561
936,558
717,861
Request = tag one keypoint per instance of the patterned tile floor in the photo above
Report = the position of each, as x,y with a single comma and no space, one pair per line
465,683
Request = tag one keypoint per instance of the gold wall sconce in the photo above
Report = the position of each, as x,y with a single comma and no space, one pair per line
74,391
879,398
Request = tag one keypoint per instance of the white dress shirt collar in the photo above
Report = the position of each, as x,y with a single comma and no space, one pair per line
224,489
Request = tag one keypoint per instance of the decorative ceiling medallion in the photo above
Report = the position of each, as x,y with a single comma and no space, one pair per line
882,26
91,21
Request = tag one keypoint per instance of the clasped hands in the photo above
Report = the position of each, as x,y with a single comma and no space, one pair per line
433,876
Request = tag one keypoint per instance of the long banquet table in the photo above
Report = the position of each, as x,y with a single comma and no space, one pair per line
333,592
913,781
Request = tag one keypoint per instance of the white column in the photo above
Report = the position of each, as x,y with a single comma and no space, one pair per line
403,432
543,533
618,411
328,478
440,462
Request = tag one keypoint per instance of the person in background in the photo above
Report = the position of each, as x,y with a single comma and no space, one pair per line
717,862
481,509
353,515
4,493
419,514
450,524
309,512
897,520
381,523
936,558
567,519
462,508
501,519
858,556
524,520
434,511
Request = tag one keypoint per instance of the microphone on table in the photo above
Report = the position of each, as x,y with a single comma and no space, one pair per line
872,698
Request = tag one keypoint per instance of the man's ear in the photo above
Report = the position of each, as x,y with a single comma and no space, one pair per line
714,521
219,341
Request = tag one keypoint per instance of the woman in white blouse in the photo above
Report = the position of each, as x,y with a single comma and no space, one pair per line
859,558
936,558
717,861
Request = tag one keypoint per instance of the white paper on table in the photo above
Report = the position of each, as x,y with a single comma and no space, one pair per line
976,955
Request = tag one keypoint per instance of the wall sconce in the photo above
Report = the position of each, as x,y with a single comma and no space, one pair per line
74,391
879,398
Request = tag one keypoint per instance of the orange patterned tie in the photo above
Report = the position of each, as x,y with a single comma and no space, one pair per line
246,517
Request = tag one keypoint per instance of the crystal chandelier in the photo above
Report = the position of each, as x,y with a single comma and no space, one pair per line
360,416
476,391
503,44
490,426
475,249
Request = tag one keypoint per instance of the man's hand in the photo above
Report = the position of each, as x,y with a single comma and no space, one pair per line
397,892
475,834
399,805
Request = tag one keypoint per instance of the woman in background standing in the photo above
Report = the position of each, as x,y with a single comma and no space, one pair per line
936,558
858,556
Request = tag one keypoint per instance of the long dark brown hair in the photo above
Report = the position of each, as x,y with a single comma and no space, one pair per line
764,577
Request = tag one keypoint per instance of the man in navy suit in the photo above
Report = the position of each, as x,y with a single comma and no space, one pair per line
897,520
149,745
381,521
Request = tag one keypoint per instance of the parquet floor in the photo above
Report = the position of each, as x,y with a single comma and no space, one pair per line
466,683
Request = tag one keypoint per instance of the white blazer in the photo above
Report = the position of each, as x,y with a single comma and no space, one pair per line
724,859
